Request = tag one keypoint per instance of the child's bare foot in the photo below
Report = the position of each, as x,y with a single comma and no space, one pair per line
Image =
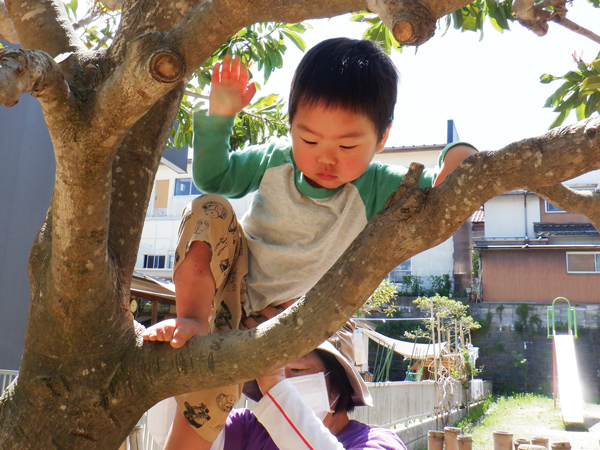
176,331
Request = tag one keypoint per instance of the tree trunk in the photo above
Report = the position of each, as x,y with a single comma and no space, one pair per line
86,375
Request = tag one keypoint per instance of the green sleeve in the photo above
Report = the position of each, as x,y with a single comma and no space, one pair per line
448,147
380,181
218,170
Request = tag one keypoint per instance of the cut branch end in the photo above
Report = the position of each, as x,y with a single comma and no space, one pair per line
166,67
404,31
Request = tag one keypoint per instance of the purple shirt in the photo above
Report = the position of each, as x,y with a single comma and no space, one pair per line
244,432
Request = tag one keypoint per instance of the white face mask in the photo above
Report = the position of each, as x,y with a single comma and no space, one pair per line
313,390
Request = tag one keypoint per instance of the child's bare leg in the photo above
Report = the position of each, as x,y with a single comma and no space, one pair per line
183,437
194,293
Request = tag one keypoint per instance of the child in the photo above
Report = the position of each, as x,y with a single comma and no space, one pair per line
314,196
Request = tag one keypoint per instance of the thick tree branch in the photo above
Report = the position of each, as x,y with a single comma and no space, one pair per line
536,16
44,25
7,29
532,17
140,17
561,20
406,228
150,70
33,71
133,171
586,203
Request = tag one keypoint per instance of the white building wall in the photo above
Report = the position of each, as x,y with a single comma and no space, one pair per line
506,216
436,261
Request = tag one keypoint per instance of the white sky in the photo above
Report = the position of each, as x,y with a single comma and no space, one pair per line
490,88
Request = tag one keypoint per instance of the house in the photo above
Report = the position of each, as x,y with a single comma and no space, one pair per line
174,189
533,252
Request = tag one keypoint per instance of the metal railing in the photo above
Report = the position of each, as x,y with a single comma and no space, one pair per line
7,377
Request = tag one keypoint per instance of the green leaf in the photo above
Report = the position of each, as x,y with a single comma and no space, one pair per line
591,84
592,104
547,78
569,103
458,19
580,110
297,40
573,76
560,119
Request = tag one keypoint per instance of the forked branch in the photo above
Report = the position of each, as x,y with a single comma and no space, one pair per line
580,202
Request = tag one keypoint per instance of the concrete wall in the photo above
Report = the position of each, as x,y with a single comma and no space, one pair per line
521,361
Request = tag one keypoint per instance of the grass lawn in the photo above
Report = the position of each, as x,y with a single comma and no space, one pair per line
527,416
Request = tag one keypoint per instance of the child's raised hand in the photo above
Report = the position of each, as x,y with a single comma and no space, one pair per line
230,90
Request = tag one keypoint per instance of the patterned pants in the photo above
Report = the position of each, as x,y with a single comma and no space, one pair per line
211,219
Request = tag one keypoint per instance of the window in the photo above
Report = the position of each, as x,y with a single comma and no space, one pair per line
184,186
583,262
404,269
154,261
550,208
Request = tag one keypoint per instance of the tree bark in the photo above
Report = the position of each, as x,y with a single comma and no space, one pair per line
86,375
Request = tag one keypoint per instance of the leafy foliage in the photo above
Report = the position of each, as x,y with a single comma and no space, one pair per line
447,313
580,91
472,17
451,320
382,300
412,286
469,18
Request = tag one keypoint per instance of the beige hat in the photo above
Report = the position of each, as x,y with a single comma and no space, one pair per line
340,345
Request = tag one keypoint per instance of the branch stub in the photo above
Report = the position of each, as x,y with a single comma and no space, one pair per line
166,67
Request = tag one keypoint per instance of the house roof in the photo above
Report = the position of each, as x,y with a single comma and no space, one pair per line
478,216
153,288
564,229
414,148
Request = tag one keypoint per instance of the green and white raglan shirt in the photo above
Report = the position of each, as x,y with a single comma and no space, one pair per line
295,231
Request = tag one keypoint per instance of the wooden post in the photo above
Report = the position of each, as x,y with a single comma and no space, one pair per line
561,446
521,441
435,440
465,442
450,435
154,316
541,440
531,447
503,440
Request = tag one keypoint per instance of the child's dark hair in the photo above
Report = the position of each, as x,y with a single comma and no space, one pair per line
347,73
338,381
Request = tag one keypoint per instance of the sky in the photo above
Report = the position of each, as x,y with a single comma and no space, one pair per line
490,88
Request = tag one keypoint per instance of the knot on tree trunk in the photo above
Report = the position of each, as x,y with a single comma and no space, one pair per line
166,67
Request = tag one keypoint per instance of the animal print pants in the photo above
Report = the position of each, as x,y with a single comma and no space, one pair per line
211,219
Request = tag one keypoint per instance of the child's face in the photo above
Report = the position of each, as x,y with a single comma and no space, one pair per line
333,146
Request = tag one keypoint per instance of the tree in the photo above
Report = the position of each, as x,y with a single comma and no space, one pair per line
86,376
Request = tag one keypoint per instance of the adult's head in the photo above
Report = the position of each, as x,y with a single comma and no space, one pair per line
350,74
334,357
